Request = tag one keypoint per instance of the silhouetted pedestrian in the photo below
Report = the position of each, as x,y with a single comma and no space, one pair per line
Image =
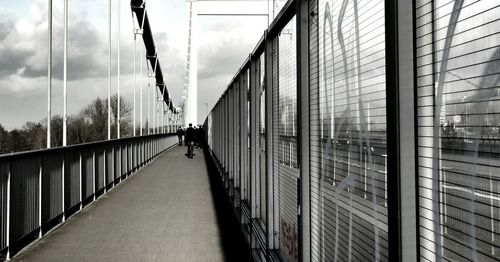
180,133
189,140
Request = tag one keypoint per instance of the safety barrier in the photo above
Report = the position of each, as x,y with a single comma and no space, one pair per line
40,189
366,130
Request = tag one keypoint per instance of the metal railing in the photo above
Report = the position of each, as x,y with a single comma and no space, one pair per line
41,189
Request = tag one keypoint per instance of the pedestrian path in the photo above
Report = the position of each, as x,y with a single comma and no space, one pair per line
164,212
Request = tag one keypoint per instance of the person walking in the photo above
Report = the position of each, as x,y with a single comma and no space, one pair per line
189,140
180,133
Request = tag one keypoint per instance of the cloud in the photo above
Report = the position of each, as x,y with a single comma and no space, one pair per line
224,48
224,45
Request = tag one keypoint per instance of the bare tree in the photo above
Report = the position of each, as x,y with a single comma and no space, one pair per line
96,113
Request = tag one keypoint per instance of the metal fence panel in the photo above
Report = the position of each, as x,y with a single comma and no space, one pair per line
99,169
88,165
110,171
52,172
4,174
117,151
87,173
124,160
71,179
130,158
24,207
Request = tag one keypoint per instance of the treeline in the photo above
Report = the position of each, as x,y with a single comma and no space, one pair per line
89,125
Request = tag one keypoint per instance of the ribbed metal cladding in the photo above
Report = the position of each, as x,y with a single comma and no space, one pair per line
71,179
24,205
110,174
124,159
4,173
133,153
99,169
117,161
138,150
87,173
52,165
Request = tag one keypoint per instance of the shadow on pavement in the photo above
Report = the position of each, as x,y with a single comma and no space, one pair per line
233,242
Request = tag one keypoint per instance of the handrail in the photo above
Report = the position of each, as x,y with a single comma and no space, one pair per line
40,189
76,146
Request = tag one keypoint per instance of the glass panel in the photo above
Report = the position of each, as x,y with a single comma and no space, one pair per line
458,54
285,141
261,114
348,132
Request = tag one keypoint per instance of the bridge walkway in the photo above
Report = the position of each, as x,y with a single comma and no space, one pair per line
168,211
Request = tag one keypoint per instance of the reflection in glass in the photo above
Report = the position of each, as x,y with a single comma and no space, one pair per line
458,52
348,143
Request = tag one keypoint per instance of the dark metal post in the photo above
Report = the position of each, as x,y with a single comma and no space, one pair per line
269,140
303,183
253,139
401,168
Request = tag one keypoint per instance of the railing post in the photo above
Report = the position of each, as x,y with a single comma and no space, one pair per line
63,174
303,182
93,174
401,132
8,213
80,178
269,140
113,162
105,171
121,159
40,197
253,139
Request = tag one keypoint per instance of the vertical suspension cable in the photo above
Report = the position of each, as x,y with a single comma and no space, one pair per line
109,69
140,103
149,108
65,72
135,77
154,107
49,74
118,73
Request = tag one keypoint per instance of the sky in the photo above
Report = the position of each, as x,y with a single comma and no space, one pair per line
224,44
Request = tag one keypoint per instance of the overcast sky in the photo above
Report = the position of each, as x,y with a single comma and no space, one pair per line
224,44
